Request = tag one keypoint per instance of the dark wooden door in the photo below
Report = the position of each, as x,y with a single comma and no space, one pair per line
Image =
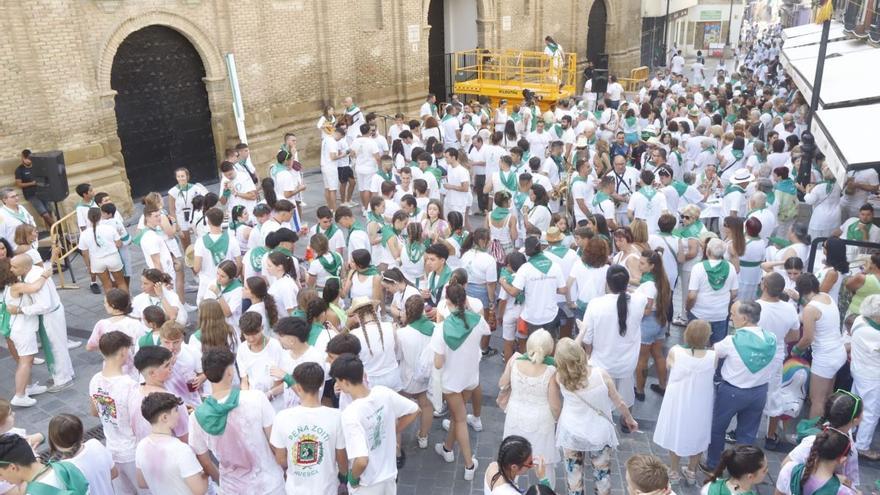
437,71
162,112
596,31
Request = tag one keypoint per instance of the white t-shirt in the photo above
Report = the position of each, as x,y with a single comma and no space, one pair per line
329,147
311,436
111,398
379,357
581,189
734,371
241,184
179,463
369,425
284,182
539,216
539,306
589,282
365,150
778,318
481,267
152,243
100,241
142,300
648,210
615,91
247,463
209,269
95,462
617,354
256,365
461,369
457,176
538,142
285,291
711,305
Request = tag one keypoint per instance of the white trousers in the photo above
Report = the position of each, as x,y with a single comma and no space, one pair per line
869,391
56,329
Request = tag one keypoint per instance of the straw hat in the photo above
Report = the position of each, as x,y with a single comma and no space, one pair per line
581,142
554,234
358,303
654,140
742,175
189,257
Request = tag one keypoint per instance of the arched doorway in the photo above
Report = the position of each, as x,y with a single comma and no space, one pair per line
162,114
437,51
596,30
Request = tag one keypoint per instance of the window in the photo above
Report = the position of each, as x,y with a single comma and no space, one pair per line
371,15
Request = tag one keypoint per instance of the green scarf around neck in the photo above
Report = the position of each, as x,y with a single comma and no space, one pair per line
369,271
830,487
457,329
218,248
755,351
424,326
373,217
786,186
499,213
436,283
855,233
334,265
541,262
73,480
508,180
256,257
507,275
692,231
717,274
231,286
548,360
212,415
648,192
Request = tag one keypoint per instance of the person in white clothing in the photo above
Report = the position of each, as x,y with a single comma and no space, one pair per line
514,460
178,472
212,249
864,367
103,241
66,443
366,154
712,286
458,185
180,202
369,424
646,204
237,188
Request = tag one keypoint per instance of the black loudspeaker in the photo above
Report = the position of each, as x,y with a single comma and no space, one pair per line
50,175
600,81
602,63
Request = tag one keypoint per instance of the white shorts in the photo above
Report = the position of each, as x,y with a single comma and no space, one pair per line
508,322
331,178
25,339
364,181
112,262
826,365
775,405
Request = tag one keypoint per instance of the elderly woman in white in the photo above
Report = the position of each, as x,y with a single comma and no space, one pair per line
865,368
711,289
824,197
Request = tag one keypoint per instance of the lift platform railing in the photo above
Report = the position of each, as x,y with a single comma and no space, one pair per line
526,69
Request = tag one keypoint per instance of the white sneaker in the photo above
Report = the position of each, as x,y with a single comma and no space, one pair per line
190,308
446,424
474,422
35,389
26,401
39,360
423,442
469,473
73,344
442,412
439,449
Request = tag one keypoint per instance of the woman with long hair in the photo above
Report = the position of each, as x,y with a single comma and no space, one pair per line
158,290
639,229
628,254
835,267
285,288
412,259
416,361
585,428
454,242
456,346
514,460
326,264
616,352
746,467
239,223
66,443
398,155
378,347
510,136
257,291
501,223
538,215
587,278
510,307
434,226
102,241
482,273
364,279
733,233
818,474
655,286
333,296
212,329
180,202
327,118
168,232
401,289
431,129
228,292
117,304
602,158
534,402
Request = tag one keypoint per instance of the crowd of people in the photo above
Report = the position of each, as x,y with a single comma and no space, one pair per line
565,233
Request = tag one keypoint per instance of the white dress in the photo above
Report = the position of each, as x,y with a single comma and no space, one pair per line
685,420
529,414
581,427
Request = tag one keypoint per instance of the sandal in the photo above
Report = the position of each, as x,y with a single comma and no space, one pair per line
674,477
690,477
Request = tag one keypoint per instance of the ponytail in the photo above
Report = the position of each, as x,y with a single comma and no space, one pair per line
617,279
94,216
738,461
458,297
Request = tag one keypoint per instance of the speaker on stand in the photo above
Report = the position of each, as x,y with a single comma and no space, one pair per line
50,174
600,76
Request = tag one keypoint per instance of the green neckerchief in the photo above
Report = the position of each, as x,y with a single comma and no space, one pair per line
415,251
830,487
598,114
558,130
146,340
507,275
436,284
352,109
424,326
332,267
548,360
433,109
436,172
779,242
385,175
717,274
456,329
854,233
373,217
74,481
646,277
719,487
282,250
807,427
231,286
354,226
508,182
519,200
387,232
218,248
600,198
648,192
499,213
710,149
578,178
139,235
315,332
256,257
755,351
329,233
692,231
541,262
298,313
415,212
558,250
212,415
558,161
460,237
872,323
680,187
678,156
553,47
46,343
786,186
5,318
733,188
277,167
738,154
630,121
369,271
829,185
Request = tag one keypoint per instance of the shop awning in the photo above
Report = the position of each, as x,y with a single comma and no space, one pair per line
849,78
847,137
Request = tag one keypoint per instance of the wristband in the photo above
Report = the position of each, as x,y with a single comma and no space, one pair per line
796,352
545,482
354,482
288,380
342,478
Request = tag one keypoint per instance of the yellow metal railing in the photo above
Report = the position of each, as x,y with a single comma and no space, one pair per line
636,77
64,235
527,68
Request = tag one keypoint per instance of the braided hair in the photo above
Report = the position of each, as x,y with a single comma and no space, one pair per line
456,294
830,444
513,451
617,279
362,314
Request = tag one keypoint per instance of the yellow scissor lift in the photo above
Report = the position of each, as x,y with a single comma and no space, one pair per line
504,74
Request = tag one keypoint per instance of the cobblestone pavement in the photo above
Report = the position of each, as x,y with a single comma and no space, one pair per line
425,473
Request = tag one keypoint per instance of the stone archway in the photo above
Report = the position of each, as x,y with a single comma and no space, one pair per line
214,80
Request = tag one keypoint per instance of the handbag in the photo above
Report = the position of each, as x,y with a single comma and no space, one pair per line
497,252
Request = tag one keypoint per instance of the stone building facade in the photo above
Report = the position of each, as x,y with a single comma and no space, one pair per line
63,73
